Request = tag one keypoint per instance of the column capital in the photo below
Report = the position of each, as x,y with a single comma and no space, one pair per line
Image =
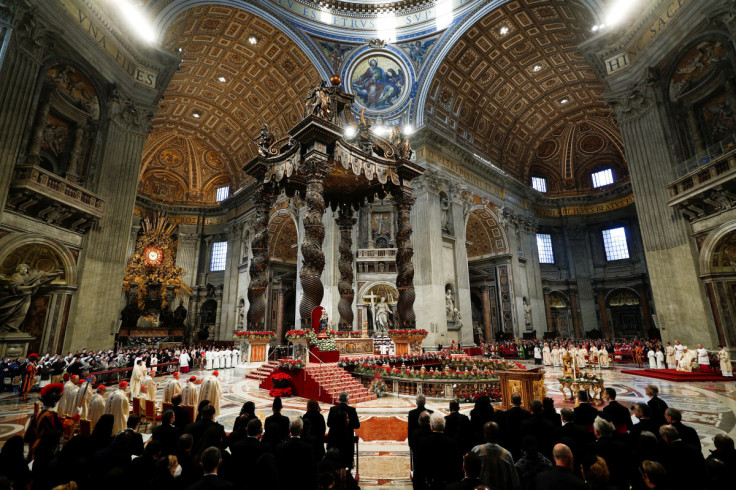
632,102
130,115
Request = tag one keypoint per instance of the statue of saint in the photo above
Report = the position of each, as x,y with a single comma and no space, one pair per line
383,316
446,220
16,294
449,305
180,314
527,312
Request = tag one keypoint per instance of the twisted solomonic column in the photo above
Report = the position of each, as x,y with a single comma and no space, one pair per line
313,262
259,263
405,268
345,222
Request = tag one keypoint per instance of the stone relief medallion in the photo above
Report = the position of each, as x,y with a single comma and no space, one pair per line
591,143
214,160
170,157
546,149
379,81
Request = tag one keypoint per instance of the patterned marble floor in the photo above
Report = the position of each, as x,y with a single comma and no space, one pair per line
384,457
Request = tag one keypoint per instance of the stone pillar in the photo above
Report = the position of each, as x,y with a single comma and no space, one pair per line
34,149
103,259
645,311
462,272
404,266
314,233
218,313
579,256
132,240
230,284
259,264
186,256
671,257
547,310
345,222
487,332
604,313
22,47
280,315
72,171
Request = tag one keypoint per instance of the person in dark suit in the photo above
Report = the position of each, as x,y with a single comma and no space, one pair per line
317,428
471,468
457,427
616,413
560,477
422,430
550,413
211,460
539,427
481,413
205,426
342,421
645,424
572,430
190,471
657,406
437,460
585,413
247,451
166,433
181,416
513,418
295,460
276,418
684,463
615,453
413,417
687,434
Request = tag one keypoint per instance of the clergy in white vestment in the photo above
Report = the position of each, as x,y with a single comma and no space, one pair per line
603,360
83,397
172,387
69,408
555,356
685,364
136,377
582,352
97,406
660,358
546,355
208,356
63,403
679,350
190,393
593,356
211,390
119,407
703,359
725,360
216,359
236,357
154,361
227,357
652,359
670,356
184,360
150,385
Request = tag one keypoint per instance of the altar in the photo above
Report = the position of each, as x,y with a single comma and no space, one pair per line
353,347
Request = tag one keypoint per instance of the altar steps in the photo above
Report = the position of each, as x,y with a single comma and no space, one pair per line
332,380
263,372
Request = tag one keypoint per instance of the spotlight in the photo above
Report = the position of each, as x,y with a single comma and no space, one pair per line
408,129
537,68
564,100
349,131
252,39
196,114
503,30
222,79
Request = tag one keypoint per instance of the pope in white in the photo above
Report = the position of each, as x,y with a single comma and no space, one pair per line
652,359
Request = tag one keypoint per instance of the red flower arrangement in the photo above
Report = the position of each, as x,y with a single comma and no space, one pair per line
291,364
408,333
281,385
297,334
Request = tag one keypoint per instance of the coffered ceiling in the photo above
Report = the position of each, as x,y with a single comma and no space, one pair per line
515,79
262,83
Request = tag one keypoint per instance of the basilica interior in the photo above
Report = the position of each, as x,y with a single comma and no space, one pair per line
533,168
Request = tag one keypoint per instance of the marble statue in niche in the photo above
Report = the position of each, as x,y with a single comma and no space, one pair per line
383,316
16,295
445,214
381,229
527,311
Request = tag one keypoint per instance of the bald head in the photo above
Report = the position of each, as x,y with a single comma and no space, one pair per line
563,456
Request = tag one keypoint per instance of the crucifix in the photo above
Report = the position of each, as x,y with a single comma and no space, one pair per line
372,296
336,59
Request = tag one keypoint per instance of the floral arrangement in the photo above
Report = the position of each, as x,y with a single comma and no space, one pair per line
448,374
408,333
494,395
378,387
297,334
255,334
430,358
281,385
340,334
324,345
291,364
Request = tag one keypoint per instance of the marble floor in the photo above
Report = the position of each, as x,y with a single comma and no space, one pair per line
709,407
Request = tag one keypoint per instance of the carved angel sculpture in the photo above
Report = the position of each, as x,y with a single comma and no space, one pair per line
264,141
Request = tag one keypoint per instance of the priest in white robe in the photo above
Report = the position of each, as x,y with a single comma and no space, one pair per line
190,393
603,360
208,356
83,397
660,358
227,357
546,355
685,364
679,350
216,359
703,359
652,359
172,387
97,406
582,352
69,408
724,359
212,390
136,378
555,356
670,356
184,361
593,356
62,404
119,407
236,357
